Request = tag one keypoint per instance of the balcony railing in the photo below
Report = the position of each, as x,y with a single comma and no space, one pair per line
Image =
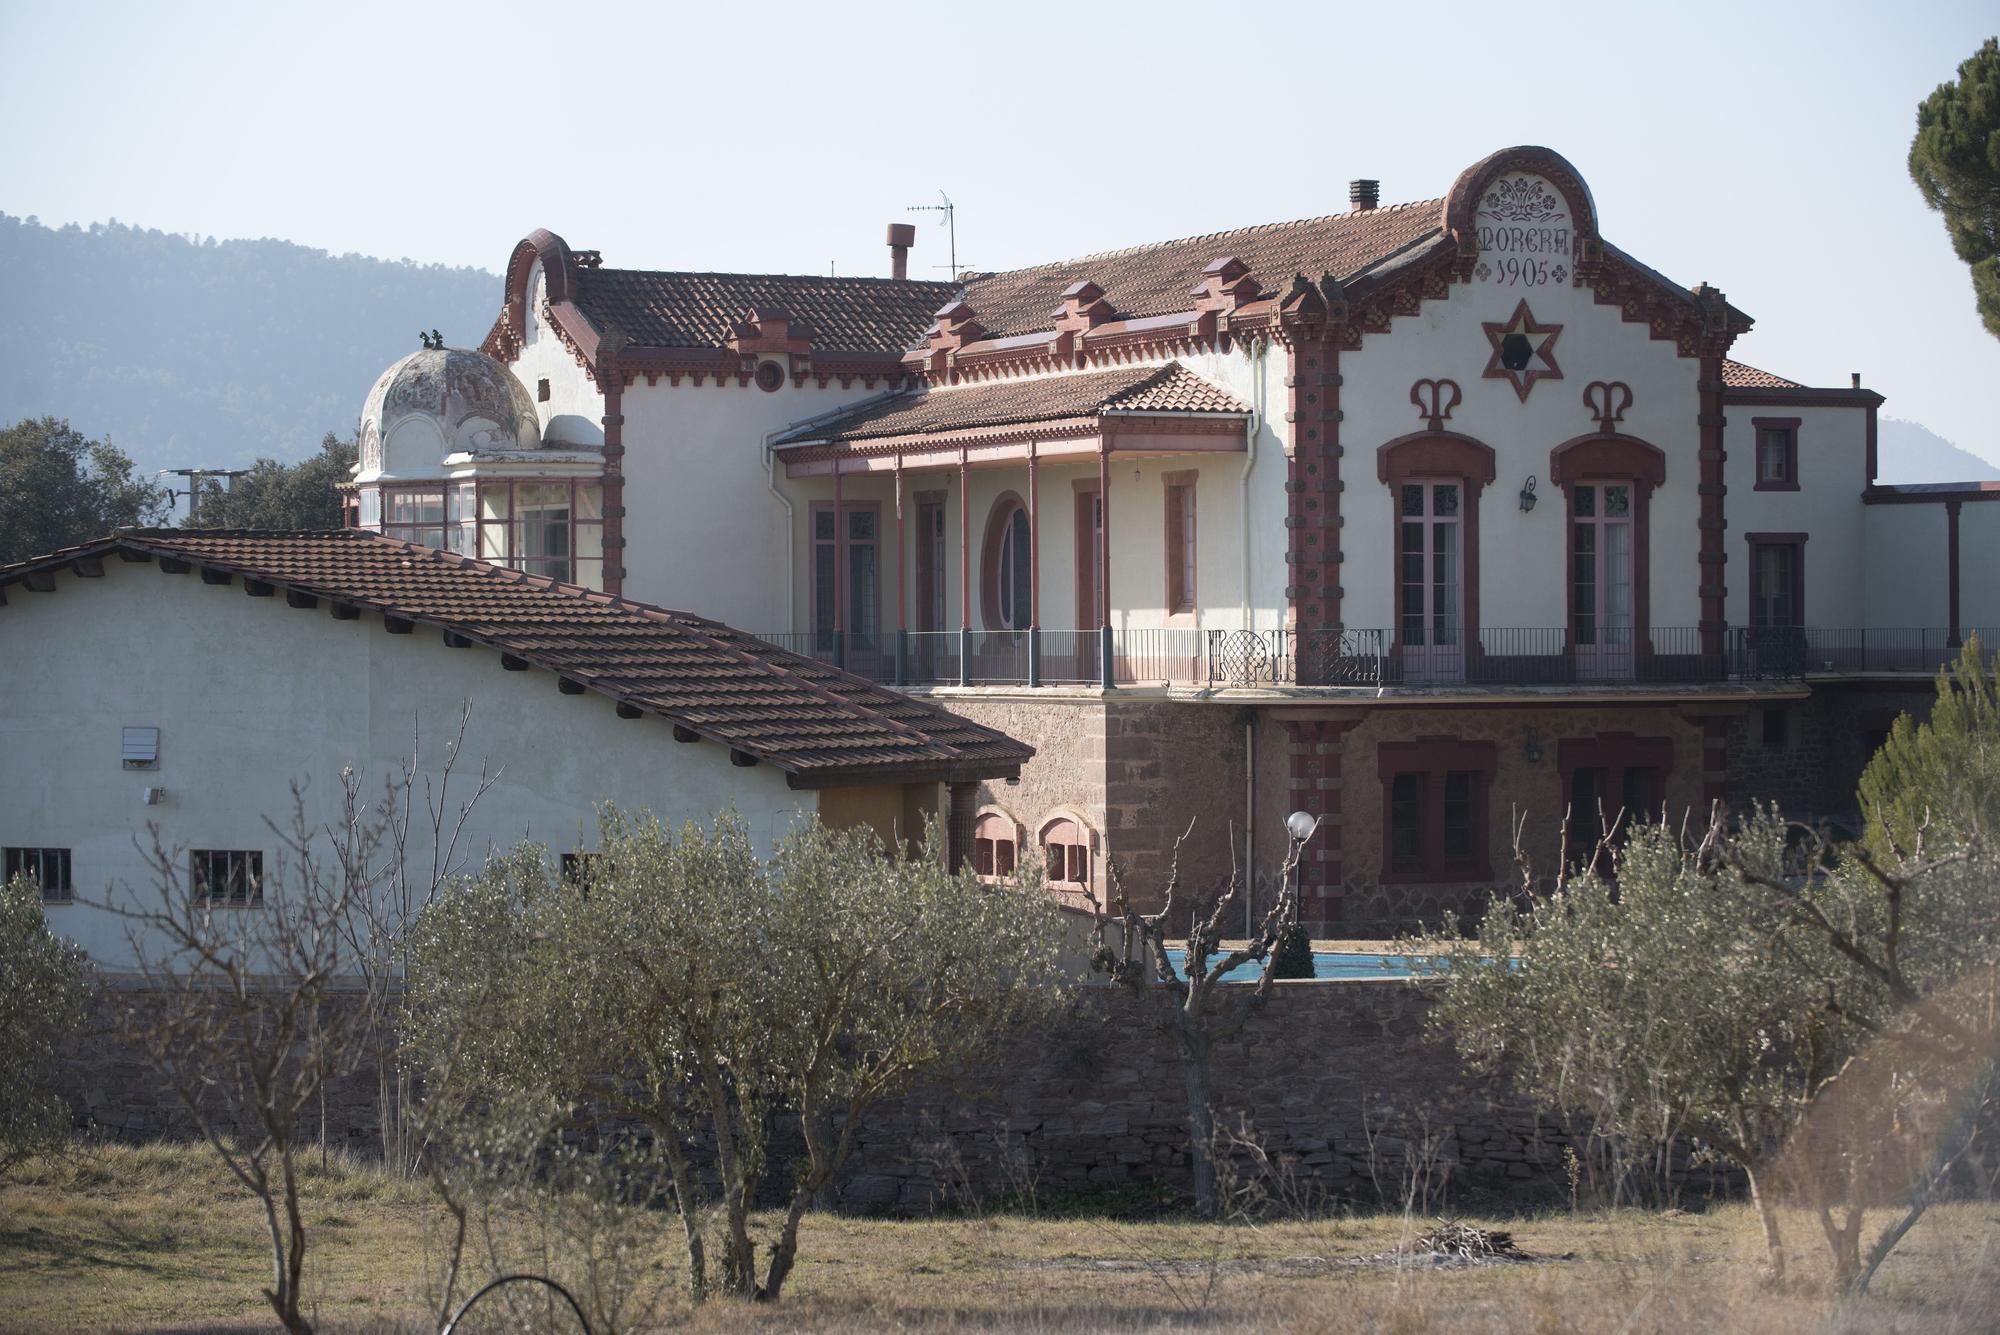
1500,657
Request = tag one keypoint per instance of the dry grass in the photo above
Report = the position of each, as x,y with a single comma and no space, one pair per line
158,1238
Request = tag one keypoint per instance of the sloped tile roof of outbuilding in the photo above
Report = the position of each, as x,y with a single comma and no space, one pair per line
1737,375
699,310
818,724
1167,389
1155,279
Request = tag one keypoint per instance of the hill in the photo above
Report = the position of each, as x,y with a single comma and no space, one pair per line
188,351
1912,452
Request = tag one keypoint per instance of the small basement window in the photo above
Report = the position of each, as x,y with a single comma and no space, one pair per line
47,867
227,876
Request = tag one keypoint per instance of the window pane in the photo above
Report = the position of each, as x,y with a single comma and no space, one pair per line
589,501
1406,822
861,612
1586,502
1618,502
1642,795
1413,498
1445,497
823,597
1020,576
823,530
1458,831
861,526
495,502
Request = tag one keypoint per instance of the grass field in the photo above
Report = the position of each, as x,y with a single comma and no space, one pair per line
159,1238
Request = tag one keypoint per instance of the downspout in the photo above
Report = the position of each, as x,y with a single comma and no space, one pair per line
771,481
1250,430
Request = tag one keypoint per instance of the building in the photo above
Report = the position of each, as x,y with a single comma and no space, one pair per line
150,691
1435,519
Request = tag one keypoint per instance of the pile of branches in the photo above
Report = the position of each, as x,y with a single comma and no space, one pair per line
1466,1243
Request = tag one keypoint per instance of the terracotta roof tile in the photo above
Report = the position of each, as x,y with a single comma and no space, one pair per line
1171,388
812,720
1736,375
698,310
1156,279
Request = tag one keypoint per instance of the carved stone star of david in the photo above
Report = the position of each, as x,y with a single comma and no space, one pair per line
1523,351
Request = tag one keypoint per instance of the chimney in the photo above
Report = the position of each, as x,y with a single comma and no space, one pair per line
1856,379
1363,194
901,237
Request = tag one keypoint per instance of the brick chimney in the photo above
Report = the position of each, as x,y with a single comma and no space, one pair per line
1363,194
901,237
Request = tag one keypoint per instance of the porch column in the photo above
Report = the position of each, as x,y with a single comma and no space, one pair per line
1105,674
1034,566
1957,637
964,569
839,574
902,592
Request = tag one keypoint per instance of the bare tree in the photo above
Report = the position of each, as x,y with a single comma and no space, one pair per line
1190,1009
251,1001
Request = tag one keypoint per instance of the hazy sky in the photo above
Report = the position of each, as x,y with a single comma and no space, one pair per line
1759,147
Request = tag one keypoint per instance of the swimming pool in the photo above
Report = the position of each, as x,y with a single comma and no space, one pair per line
1326,964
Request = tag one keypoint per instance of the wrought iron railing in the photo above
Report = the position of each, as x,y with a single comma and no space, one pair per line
1496,656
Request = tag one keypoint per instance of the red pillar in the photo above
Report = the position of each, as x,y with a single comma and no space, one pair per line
902,549
839,562
1711,559
1035,541
964,543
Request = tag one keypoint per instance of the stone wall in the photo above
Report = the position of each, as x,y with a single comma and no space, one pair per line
1334,1080
1811,761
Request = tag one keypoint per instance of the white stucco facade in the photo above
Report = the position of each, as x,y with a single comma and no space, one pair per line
251,695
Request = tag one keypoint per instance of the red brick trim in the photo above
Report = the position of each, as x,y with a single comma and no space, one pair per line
1615,456
1435,756
1713,584
1312,585
1314,757
1461,204
1714,758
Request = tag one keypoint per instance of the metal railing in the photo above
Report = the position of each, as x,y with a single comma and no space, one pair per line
1498,656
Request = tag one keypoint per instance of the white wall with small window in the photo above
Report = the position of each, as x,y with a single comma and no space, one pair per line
250,696
1794,469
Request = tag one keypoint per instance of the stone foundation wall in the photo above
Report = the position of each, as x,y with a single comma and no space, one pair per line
1812,766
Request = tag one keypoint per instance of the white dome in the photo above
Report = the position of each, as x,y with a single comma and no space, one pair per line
450,399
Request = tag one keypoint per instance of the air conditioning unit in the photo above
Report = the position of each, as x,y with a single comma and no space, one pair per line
155,796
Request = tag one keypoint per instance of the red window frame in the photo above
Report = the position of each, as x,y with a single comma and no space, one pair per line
1066,851
995,846
1441,770
862,639
1615,755
1782,433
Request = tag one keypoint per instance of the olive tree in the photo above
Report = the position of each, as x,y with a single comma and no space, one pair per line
681,982
42,995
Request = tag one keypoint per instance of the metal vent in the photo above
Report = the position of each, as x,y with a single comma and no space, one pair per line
140,748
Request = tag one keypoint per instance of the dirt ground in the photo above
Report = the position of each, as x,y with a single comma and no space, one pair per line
158,1238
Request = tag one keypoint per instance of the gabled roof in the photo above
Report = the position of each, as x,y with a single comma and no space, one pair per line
818,724
1737,375
1166,390
699,310
1155,279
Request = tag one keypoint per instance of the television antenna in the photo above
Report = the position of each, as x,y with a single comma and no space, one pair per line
950,220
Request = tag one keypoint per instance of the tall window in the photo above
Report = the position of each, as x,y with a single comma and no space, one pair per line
1601,577
1180,543
46,867
859,594
1611,783
1430,568
227,875
553,528
1010,555
1090,611
1777,583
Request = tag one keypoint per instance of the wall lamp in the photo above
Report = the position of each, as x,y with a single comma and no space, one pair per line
1531,747
1528,494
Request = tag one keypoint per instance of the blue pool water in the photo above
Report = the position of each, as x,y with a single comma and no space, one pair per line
1326,964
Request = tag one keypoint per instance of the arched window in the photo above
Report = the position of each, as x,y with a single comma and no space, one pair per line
1009,576
1066,849
994,846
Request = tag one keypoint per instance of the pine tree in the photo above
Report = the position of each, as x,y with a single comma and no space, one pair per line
1945,773
1955,161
